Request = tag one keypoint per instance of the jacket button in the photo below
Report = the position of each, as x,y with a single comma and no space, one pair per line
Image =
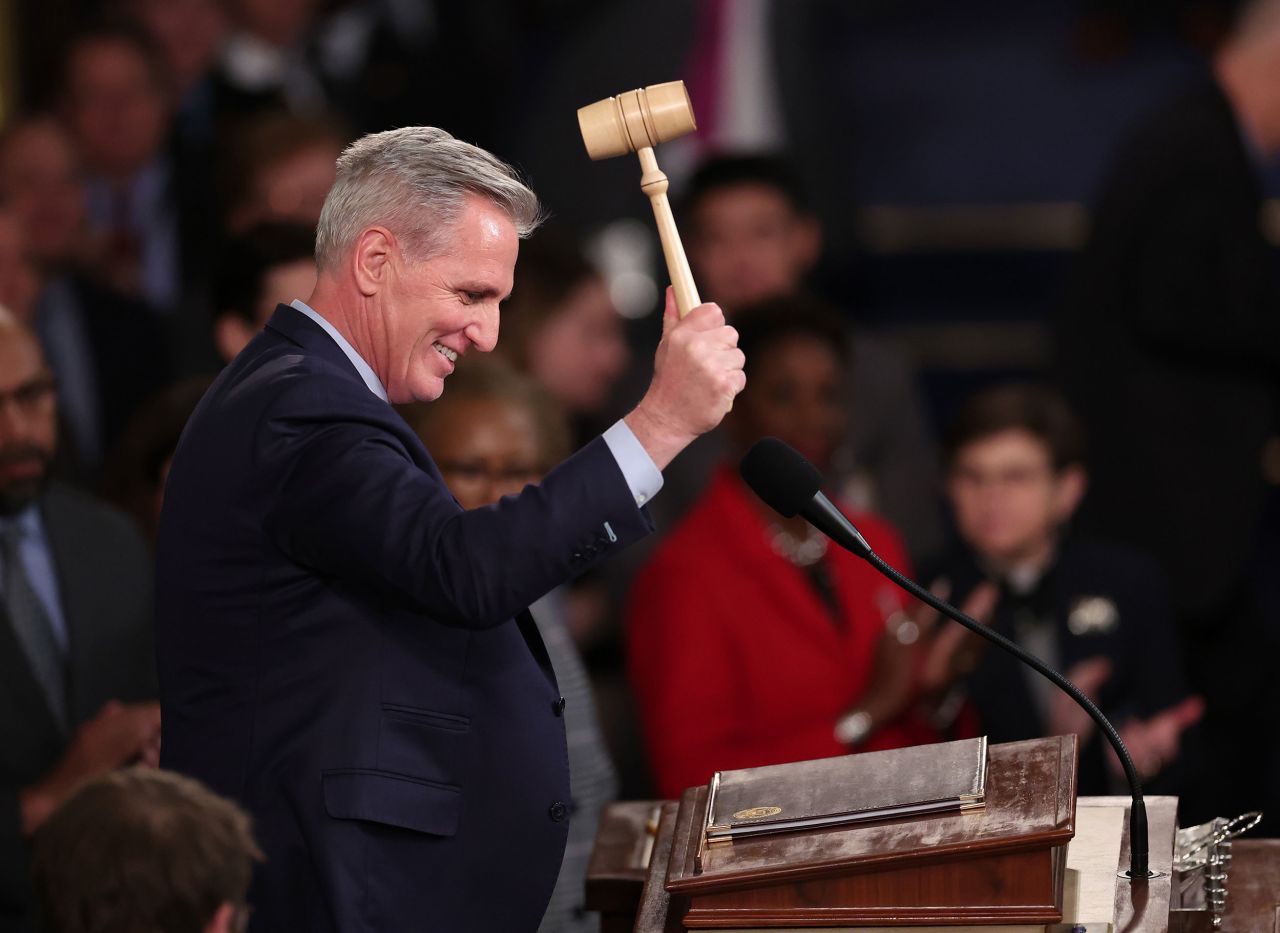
557,706
558,812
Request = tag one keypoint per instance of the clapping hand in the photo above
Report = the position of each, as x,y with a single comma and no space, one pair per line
118,734
951,649
1153,743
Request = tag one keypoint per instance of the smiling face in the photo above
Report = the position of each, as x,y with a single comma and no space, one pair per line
436,309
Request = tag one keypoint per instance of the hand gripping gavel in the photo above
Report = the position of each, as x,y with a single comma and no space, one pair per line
636,121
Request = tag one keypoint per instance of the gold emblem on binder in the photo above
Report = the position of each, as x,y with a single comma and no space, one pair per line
757,813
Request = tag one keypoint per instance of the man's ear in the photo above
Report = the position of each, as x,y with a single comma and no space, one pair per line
224,920
371,259
1070,486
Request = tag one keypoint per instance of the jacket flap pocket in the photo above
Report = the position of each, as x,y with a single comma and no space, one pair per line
393,799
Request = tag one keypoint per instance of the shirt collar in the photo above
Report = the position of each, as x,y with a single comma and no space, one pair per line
364,369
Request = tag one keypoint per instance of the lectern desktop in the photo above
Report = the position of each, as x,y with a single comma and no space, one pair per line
1003,863
1005,867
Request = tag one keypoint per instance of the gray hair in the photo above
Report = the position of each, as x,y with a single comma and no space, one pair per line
414,180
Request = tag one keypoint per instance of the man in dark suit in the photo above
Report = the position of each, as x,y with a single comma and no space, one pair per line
342,648
1169,348
1169,341
77,675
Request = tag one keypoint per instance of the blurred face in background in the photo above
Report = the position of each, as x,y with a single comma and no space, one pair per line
115,107
40,184
28,418
748,243
280,285
486,448
290,189
794,392
189,33
19,284
1009,500
277,22
579,351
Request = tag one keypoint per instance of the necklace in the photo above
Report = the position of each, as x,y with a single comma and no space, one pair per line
803,552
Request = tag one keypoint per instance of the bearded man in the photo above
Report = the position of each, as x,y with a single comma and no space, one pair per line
77,671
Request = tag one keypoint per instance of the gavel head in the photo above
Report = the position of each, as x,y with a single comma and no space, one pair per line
636,119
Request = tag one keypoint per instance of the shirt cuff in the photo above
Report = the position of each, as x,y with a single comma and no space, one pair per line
642,475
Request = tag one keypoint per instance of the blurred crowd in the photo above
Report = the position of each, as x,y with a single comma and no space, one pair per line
1115,510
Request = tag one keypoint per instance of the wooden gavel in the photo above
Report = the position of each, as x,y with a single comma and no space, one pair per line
636,121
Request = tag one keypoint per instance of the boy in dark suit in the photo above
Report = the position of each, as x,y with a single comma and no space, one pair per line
1100,614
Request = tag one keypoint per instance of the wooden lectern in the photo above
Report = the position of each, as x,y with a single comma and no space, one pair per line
1000,864
997,865
640,871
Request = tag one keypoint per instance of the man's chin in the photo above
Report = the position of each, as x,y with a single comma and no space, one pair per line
428,390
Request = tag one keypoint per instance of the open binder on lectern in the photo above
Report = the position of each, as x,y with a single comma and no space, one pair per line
942,778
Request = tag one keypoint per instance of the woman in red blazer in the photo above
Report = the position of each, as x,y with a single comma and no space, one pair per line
749,641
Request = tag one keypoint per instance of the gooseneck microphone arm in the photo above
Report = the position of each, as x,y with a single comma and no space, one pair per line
1138,809
790,485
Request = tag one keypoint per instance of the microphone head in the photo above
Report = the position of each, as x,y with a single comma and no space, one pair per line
780,476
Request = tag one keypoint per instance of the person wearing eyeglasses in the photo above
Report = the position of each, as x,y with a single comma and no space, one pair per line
1095,609
77,676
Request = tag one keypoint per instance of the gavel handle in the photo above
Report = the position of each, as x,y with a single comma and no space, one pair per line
653,182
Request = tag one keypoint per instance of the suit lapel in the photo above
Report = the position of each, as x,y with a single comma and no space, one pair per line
295,326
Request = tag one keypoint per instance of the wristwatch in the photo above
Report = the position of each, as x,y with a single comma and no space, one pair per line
853,728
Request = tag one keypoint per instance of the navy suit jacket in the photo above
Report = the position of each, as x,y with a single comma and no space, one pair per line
1138,636
347,653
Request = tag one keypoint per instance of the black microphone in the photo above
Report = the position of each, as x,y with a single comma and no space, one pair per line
791,485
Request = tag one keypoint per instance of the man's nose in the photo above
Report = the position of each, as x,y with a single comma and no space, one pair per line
483,331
